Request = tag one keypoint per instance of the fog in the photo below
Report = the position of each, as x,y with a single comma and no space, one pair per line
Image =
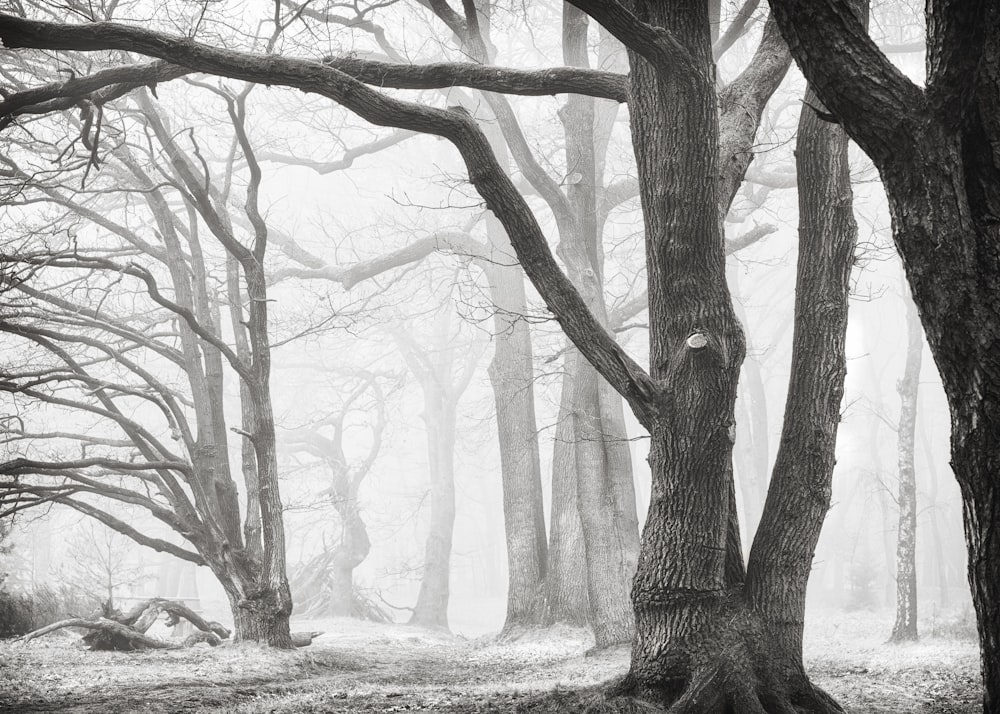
390,306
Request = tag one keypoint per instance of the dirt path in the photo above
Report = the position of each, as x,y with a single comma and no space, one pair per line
359,667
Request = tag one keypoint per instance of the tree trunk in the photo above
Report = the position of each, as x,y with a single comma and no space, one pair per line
799,497
566,585
679,594
261,620
905,628
938,152
352,551
512,378
608,570
605,488
703,643
431,609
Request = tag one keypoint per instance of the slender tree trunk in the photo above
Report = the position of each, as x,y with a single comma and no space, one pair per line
608,572
905,628
566,586
605,487
512,378
799,496
431,609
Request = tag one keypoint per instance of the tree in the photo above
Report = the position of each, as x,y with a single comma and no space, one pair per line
905,627
937,150
709,636
444,376
101,562
325,583
140,371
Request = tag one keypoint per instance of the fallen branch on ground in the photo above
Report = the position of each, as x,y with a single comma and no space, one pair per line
113,631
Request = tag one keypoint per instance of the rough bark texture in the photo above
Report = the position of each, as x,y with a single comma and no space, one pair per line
696,349
938,152
905,627
799,496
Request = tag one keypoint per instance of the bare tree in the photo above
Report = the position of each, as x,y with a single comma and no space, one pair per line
123,337
709,637
325,583
936,151
905,627
443,374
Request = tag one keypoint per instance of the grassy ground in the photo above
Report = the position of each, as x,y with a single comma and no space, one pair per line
362,667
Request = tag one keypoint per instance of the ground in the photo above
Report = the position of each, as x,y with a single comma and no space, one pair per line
364,667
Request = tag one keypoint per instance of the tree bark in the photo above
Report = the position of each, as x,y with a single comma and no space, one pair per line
604,481
511,375
799,496
905,627
938,152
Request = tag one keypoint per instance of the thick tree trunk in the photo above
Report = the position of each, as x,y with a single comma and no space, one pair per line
704,644
680,590
905,627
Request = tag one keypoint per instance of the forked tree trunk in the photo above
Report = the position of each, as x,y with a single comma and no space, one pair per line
704,644
905,627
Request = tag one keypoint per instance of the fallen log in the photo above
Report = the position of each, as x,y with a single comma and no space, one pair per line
113,631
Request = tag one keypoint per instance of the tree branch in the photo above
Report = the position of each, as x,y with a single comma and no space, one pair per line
485,173
877,105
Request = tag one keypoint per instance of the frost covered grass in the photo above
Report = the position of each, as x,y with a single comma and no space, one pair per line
363,667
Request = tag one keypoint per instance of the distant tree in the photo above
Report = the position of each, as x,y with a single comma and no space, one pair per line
324,585
100,561
443,366
905,627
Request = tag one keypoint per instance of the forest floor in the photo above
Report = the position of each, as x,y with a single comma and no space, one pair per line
365,667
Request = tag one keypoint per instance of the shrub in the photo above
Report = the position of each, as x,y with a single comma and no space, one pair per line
21,613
